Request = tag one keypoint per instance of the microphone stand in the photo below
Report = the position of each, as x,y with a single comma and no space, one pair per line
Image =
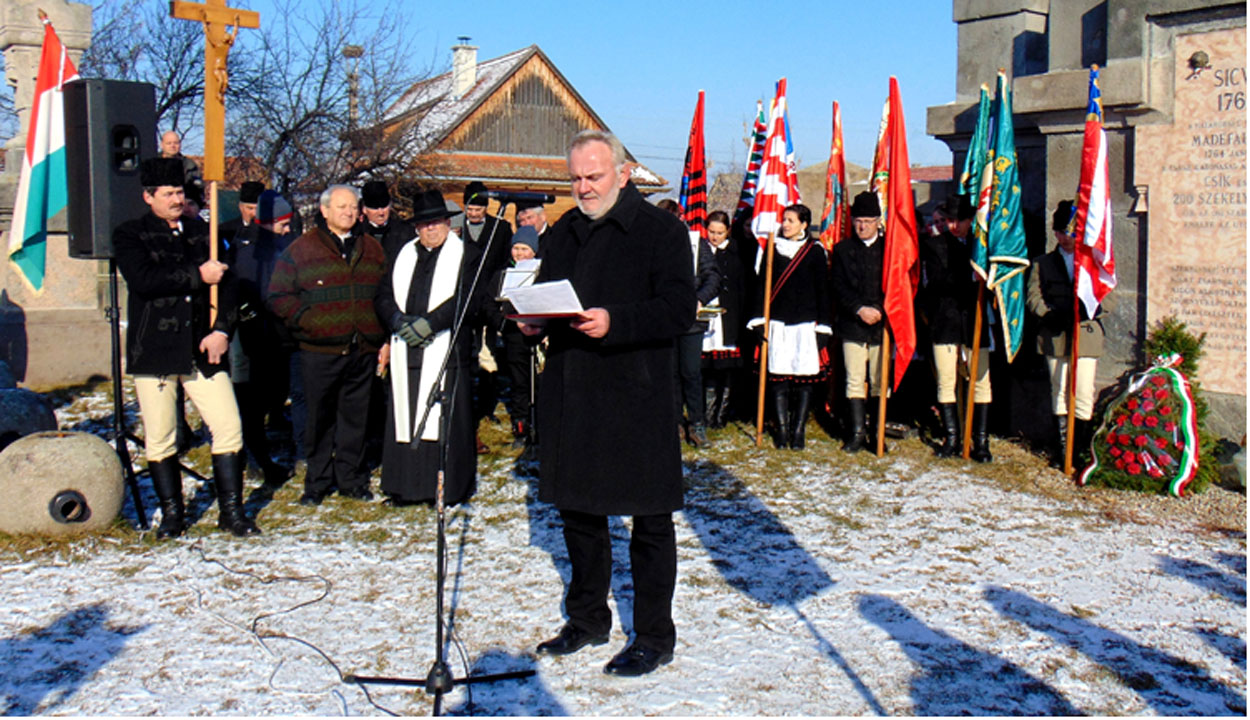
440,680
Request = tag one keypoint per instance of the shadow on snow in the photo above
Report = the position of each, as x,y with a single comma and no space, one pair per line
44,668
1169,684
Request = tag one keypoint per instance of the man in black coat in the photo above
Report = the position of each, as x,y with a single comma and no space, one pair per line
249,195
947,291
606,401
171,341
856,273
377,218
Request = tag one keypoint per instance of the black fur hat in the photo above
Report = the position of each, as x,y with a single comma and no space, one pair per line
475,194
1063,215
866,205
161,172
249,192
960,207
375,195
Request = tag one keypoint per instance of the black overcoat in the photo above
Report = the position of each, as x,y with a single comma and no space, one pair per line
948,290
856,278
167,311
731,295
606,410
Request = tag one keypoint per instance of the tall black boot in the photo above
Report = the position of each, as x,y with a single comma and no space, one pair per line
228,476
798,425
1057,450
711,401
981,433
859,430
167,481
781,402
1081,440
952,443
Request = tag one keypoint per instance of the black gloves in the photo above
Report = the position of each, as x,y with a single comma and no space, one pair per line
414,330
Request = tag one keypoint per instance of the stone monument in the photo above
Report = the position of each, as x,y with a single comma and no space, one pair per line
1173,87
58,336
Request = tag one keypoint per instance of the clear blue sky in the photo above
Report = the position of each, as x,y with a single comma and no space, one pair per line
640,65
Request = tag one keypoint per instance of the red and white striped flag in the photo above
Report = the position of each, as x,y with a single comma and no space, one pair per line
779,181
759,133
1094,261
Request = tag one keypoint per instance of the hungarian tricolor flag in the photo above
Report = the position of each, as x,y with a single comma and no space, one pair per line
42,191
901,272
693,198
835,220
759,133
779,181
1094,262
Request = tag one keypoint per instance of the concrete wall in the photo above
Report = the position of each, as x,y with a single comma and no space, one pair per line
1047,47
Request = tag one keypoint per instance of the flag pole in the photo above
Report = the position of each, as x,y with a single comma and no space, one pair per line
885,384
972,370
768,292
1070,390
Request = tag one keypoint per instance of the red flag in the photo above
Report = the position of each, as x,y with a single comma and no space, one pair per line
693,198
835,221
759,133
901,271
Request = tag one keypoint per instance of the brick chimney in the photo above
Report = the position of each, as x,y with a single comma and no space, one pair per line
463,67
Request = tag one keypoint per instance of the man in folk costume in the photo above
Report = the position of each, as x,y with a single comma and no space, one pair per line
857,273
1050,298
948,290
427,292
606,400
171,341
323,287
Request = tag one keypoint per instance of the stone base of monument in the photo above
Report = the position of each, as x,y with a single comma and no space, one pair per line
59,483
23,412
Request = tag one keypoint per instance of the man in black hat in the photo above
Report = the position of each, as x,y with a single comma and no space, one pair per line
948,298
532,214
479,226
606,400
172,341
323,287
856,273
249,195
427,291
1051,298
377,218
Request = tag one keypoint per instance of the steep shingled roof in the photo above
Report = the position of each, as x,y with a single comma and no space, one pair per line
438,112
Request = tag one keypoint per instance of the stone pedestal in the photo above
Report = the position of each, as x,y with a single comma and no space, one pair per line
60,335
1167,136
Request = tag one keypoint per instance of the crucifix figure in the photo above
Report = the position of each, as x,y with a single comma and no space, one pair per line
221,27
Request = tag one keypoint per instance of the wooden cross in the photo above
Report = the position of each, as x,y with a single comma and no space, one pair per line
218,38
217,19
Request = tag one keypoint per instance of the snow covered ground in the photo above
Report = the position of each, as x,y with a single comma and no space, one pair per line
809,584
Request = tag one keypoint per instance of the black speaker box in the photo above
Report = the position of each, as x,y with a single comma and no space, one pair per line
110,125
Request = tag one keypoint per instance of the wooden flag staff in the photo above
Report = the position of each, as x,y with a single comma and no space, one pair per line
768,295
972,370
886,341
217,18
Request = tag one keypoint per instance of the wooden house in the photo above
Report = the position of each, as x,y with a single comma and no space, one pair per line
505,121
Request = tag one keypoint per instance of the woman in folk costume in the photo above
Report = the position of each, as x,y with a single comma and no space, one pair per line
799,327
722,356
426,292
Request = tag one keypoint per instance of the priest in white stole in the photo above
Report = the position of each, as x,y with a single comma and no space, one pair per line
427,289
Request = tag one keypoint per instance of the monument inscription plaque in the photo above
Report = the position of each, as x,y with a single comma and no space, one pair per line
1195,174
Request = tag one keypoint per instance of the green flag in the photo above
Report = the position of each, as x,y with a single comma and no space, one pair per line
1005,244
975,181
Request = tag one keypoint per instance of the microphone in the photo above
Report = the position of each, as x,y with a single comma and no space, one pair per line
504,197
